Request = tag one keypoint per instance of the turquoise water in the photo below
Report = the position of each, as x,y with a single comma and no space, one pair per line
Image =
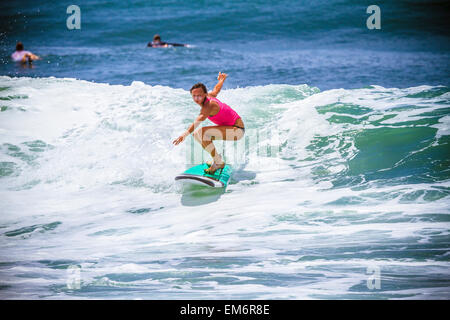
340,189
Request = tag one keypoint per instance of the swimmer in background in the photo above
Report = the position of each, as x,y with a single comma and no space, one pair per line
22,56
157,43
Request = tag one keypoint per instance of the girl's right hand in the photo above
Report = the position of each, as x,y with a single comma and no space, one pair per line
178,140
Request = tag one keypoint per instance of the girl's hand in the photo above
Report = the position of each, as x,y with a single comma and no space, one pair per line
178,140
222,76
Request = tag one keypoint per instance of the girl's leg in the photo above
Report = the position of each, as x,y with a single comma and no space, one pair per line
206,135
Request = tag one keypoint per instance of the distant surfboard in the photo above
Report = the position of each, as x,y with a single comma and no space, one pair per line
197,175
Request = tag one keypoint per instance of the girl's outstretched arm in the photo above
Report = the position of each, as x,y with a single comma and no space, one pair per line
204,113
221,77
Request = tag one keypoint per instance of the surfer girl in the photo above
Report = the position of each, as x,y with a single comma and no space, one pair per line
229,125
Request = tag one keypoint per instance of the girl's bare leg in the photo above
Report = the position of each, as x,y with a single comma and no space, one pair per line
206,135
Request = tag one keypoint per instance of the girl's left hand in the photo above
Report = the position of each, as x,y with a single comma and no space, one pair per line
222,76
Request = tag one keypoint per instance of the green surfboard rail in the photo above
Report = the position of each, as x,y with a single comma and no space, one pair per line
220,175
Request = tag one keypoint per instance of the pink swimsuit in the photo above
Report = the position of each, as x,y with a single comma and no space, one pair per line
226,116
18,55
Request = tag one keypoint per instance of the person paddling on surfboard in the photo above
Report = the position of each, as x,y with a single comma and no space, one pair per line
157,43
229,124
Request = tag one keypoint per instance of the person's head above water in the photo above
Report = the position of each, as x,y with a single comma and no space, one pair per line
199,93
156,38
19,46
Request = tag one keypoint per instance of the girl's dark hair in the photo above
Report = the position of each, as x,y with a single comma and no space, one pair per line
199,85
19,46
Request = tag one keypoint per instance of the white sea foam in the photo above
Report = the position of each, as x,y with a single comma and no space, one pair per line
93,187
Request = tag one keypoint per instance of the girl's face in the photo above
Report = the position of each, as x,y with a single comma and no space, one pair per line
198,95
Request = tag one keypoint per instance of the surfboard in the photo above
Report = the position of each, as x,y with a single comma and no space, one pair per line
197,175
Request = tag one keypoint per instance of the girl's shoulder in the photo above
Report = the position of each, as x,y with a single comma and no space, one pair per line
212,99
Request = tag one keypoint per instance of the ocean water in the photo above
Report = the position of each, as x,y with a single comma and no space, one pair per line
325,44
340,188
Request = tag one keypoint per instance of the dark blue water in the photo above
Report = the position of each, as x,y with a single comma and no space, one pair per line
321,43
